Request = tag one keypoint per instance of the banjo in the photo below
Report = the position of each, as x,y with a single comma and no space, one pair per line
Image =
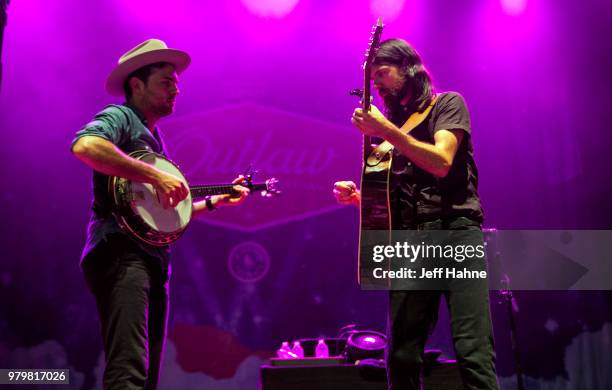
138,210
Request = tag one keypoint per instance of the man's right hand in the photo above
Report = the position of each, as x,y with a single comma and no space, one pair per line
170,189
105,157
346,192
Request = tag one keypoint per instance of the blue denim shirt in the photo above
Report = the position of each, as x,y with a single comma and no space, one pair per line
125,127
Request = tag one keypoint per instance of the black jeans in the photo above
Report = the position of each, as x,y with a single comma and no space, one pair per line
131,291
413,315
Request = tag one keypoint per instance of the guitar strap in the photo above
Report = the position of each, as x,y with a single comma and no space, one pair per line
379,152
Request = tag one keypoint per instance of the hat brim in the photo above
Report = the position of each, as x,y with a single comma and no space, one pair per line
114,82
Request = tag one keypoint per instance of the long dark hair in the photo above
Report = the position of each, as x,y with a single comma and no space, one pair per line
418,80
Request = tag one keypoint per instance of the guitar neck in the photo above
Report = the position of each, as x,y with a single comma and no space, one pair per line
222,189
370,55
366,99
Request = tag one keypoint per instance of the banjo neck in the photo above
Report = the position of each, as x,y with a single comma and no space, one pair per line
138,211
223,189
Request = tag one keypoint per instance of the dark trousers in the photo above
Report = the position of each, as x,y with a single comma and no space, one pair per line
131,291
412,318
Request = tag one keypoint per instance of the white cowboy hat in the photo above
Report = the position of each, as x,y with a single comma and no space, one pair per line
147,53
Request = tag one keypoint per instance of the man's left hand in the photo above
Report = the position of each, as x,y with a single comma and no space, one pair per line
235,199
372,122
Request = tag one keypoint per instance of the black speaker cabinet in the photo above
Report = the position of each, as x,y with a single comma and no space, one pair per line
439,376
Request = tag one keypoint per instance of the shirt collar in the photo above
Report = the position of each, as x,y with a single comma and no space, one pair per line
137,112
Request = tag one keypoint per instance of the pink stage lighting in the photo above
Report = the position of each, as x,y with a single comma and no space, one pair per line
514,7
388,9
270,8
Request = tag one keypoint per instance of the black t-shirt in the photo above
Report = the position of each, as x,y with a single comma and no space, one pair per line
416,195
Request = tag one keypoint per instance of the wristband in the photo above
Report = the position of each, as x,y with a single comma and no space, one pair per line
209,204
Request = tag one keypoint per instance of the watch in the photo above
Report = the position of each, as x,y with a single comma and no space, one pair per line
209,204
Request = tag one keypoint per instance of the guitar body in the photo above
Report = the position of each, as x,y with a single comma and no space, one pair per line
137,208
375,213
375,207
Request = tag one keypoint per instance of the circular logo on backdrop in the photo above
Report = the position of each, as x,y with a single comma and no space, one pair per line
248,262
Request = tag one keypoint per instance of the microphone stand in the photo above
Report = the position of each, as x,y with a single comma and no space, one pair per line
506,295
506,298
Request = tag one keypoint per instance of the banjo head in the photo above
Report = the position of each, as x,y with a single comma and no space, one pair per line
145,202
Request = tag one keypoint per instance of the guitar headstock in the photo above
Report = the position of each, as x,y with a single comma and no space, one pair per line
373,43
370,54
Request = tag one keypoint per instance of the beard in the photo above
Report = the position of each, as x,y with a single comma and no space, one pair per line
393,97
161,109
159,104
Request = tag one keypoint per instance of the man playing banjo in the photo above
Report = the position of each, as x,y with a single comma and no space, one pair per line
129,277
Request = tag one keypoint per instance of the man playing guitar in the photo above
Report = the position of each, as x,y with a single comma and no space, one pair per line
432,185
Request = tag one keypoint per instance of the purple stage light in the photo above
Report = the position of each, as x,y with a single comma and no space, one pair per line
152,11
270,8
368,340
388,9
514,7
